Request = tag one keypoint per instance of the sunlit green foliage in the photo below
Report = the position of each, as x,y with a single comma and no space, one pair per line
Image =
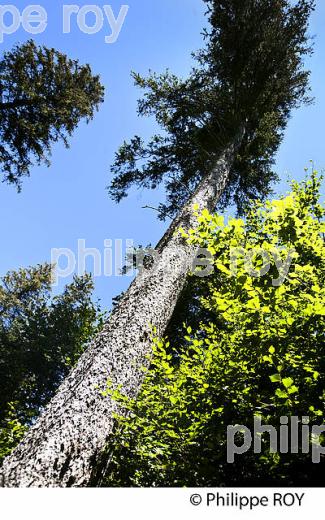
262,353
11,431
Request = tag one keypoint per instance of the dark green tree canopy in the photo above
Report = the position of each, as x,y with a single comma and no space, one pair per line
43,97
249,76
41,337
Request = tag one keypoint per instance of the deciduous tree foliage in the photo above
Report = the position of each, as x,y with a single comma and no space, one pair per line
41,338
222,125
261,354
43,97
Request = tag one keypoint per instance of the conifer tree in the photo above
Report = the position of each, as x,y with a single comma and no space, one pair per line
221,129
43,97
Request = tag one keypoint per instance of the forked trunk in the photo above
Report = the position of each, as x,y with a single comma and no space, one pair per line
64,446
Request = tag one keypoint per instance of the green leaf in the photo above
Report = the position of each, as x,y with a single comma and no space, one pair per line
287,382
281,394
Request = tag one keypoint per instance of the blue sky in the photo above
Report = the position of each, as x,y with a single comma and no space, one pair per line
68,201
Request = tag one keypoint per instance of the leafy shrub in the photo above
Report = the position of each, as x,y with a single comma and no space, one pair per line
262,355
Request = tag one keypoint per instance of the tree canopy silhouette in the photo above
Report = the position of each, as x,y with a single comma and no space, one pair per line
250,75
43,97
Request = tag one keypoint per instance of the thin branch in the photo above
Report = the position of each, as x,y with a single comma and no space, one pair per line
158,210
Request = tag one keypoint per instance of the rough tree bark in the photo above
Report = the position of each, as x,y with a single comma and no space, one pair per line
64,446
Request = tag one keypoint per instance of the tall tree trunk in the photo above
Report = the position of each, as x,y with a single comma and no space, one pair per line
64,446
